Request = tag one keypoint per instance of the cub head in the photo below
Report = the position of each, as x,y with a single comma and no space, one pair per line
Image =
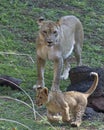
41,96
49,31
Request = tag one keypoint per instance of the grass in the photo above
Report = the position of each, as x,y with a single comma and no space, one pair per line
18,30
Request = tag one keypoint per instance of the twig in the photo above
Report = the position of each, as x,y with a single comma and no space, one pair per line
10,98
8,120
13,53
25,94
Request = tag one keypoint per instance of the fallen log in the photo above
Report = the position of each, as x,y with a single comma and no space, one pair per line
81,81
10,81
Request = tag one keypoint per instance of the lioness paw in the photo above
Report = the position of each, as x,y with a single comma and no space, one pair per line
65,76
34,86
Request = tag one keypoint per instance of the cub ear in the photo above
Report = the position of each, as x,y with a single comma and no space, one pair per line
40,21
45,90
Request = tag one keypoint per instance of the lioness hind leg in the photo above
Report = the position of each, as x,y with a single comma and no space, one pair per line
77,51
79,37
66,69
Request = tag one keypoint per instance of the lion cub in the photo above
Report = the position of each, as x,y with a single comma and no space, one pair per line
74,106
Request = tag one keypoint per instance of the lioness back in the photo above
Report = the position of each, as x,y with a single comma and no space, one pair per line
70,28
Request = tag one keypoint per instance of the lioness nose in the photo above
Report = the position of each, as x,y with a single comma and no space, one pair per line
49,41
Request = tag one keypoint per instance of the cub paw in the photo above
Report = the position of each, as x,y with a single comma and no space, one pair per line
66,120
75,124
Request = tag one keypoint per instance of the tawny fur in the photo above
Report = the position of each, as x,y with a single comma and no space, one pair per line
71,105
56,41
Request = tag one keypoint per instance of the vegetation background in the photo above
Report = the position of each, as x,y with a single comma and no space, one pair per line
18,31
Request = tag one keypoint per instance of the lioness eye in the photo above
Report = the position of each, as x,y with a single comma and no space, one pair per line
55,32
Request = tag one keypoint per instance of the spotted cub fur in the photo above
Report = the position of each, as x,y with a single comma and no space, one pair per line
70,105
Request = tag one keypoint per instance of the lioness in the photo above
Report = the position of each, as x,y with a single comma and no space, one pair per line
75,103
56,41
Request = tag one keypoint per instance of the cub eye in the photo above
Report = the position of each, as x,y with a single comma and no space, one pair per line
40,97
45,32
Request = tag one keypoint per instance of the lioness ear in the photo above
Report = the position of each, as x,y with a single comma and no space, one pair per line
45,90
58,22
35,87
40,21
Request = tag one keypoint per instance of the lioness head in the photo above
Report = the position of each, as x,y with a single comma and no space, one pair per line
49,31
42,96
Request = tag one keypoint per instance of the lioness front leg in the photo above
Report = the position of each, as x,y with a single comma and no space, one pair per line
58,64
40,71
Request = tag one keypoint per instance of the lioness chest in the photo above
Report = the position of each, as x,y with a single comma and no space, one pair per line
46,52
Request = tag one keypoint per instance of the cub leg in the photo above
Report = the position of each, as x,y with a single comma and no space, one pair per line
79,111
40,71
65,114
66,69
52,117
